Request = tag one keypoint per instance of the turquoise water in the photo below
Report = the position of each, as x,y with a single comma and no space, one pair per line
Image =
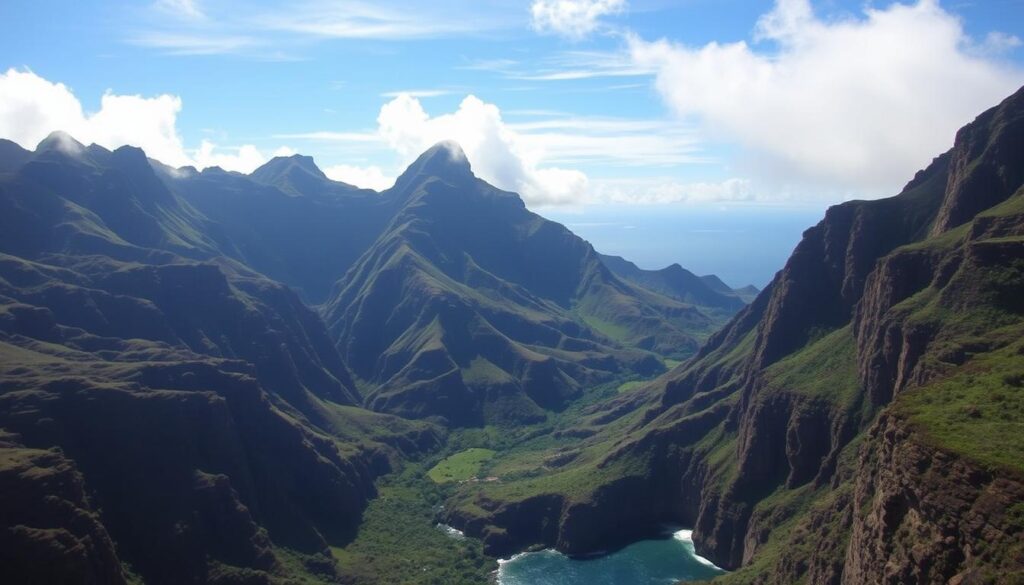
648,562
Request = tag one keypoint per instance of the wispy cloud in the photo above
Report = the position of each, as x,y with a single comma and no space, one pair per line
418,93
194,43
998,43
612,142
493,65
571,66
533,113
284,31
665,190
184,9
362,20
327,136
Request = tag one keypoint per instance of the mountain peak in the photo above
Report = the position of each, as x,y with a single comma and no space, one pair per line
59,140
282,166
445,160
444,157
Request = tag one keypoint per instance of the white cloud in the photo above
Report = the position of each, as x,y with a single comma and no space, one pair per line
533,158
574,19
498,153
371,177
32,107
244,159
859,103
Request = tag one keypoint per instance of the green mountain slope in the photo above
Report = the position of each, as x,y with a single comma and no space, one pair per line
286,220
471,308
859,422
166,413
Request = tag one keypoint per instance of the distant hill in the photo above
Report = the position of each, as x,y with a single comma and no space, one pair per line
679,283
286,220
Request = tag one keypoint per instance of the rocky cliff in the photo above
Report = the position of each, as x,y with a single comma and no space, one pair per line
856,423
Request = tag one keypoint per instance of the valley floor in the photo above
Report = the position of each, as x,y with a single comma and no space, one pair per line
401,539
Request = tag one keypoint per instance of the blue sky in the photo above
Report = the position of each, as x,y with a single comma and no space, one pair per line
576,104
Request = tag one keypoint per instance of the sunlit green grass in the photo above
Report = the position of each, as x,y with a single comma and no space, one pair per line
461,466
632,385
979,411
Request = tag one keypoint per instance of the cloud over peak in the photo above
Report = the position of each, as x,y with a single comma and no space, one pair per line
498,153
31,108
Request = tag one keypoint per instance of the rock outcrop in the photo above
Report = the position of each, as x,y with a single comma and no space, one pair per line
922,515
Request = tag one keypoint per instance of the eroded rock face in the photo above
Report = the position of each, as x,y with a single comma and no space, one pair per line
924,516
197,464
987,164
51,532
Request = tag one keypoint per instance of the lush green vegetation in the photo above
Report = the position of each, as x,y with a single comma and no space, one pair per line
826,368
611,330
399,540
979,411
461,466
631,385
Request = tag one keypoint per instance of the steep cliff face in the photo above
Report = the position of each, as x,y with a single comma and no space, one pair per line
923,515
770,443
52,533
985,165
186,457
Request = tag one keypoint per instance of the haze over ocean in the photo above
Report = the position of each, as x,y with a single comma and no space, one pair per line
741,245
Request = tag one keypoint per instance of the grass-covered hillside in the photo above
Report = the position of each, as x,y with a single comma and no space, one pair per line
471,309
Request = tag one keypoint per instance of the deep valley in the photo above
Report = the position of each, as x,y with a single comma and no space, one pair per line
270,378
